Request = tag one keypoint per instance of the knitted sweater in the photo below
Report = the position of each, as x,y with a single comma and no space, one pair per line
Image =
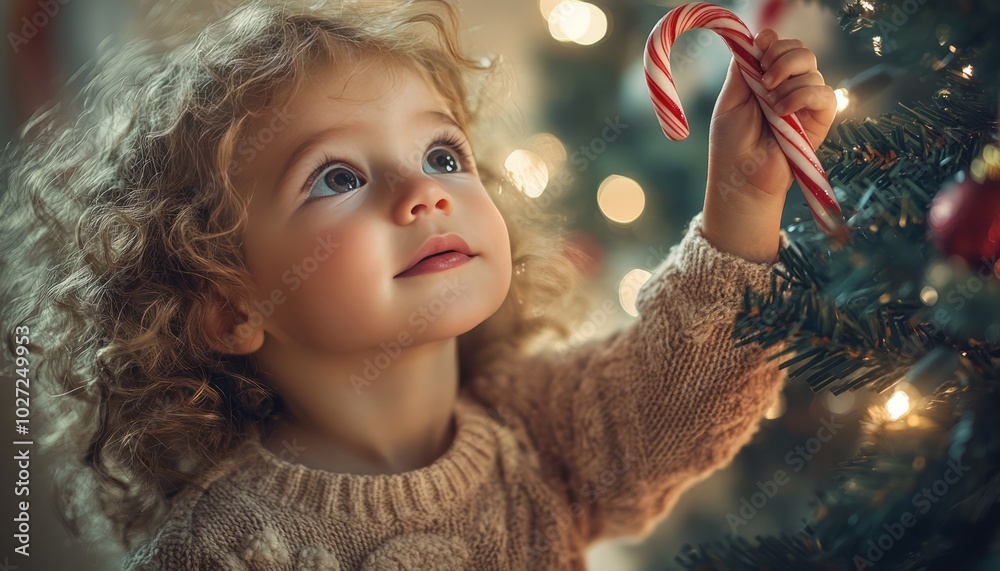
552,452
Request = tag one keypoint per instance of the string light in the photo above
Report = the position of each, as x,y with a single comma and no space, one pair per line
987,165
898,404
575,21
549,147
621,199
877,44
843,99
928,295
628,289
528,171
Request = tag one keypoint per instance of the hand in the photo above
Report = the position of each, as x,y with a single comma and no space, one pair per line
748,174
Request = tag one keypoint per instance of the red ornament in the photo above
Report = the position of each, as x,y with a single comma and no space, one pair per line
771,11
964,221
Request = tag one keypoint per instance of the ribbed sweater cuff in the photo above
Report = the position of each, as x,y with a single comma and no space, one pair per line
711,275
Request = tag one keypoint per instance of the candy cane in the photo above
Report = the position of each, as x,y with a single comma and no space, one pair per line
787,129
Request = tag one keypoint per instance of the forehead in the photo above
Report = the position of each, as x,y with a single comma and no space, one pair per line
372,87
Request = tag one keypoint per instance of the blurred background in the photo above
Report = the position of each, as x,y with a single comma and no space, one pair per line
627,192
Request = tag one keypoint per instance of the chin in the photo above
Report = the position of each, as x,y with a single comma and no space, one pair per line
447,325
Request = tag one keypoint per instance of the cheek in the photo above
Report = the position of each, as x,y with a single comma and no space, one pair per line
495,230
322,272
341,265
496,242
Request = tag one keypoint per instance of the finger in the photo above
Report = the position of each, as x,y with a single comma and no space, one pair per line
819,98
794,62
777,49
821,103
790,85
764,38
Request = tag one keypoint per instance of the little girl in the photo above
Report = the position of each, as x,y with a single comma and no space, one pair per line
280,316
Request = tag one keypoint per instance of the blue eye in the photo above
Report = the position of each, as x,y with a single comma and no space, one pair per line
441,160
339,179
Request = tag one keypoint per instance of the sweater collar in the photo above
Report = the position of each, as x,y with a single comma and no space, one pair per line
437,487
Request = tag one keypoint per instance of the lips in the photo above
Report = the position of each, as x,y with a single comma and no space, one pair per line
436,245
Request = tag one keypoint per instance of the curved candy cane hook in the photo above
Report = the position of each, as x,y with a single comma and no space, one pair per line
787,129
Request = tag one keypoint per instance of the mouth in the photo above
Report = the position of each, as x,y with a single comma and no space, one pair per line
436,263
438,253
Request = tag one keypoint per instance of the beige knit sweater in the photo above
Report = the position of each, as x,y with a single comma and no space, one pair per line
552,452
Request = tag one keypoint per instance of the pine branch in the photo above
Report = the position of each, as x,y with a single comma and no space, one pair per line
923,492
854,316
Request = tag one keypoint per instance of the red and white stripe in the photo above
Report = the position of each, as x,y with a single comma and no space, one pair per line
787,129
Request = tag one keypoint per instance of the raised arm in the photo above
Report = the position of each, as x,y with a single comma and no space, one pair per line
624,424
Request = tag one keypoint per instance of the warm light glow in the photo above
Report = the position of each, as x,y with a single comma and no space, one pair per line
867,5
898,404
628,289
942,211
621,199
967,71
839,404
777,408
569,20
550,148
546,7
575,21
928,295
843,100
528,171
877,44
596,29
939,274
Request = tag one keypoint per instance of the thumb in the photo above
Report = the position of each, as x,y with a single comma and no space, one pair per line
735,91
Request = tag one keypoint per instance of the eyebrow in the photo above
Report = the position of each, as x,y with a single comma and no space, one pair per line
302,150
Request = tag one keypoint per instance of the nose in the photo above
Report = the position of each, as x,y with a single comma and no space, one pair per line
416,194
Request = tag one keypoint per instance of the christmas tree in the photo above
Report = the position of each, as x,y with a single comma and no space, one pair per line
910,308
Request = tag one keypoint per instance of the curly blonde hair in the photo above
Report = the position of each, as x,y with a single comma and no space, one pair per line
122,228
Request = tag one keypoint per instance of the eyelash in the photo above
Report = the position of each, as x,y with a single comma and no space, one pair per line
443,139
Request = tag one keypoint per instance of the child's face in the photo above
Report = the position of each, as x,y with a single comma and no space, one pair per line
325,243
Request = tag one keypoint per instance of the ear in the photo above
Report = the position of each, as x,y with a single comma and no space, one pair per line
231,330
